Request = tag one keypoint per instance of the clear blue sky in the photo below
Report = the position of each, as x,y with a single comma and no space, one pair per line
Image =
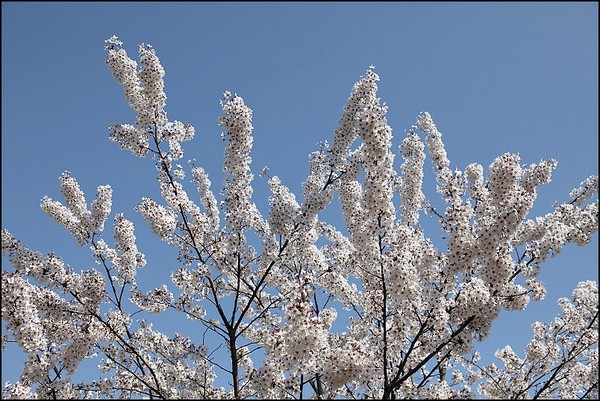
496,77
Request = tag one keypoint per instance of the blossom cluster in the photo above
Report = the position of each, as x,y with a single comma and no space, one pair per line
237,121
75,216
143,86
561,361
50,318
410,183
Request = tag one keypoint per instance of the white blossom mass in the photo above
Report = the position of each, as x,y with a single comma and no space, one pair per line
295,307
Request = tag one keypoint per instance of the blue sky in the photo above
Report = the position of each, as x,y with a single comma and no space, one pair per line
496,77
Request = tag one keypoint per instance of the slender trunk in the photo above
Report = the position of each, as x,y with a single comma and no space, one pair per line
234,365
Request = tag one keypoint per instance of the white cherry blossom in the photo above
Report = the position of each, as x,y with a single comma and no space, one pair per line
288,306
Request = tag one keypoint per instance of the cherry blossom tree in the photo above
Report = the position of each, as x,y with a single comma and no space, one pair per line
299,308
